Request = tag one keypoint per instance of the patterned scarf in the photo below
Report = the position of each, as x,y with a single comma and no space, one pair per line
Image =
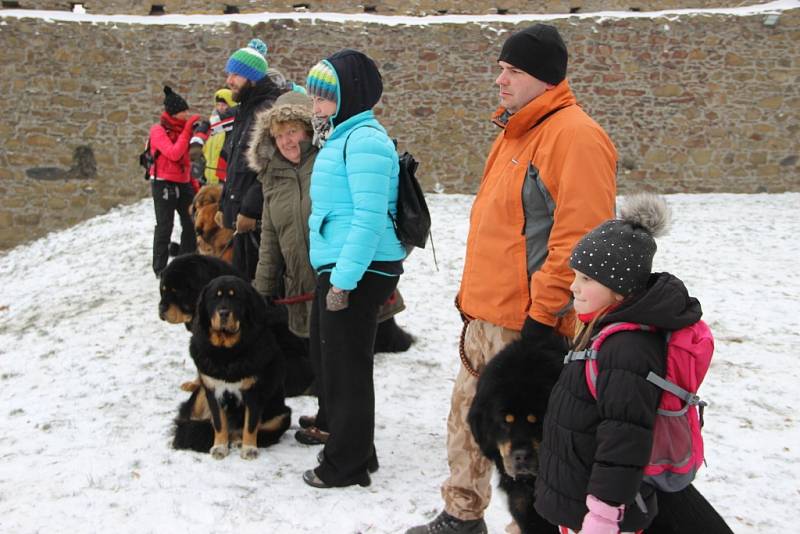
323,128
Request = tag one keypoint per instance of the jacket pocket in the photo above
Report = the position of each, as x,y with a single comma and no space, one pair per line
316,223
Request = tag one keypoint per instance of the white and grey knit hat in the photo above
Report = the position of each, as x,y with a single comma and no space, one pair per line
619,253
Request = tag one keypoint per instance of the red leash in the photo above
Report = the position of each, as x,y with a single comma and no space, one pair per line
305,297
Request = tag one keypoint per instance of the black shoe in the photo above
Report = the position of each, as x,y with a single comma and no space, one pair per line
372,464
307,421
447,524
310,477
311,436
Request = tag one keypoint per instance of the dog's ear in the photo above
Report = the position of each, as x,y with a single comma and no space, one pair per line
201,318
475,420
479,416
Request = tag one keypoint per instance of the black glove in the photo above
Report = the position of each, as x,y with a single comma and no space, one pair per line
198,170
201,126
536,335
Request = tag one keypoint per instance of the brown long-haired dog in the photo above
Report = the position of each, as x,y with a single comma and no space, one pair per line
212,239
208,194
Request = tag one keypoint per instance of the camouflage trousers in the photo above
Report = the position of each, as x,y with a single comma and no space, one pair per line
467,491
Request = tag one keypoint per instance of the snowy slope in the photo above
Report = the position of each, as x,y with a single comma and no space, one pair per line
89,384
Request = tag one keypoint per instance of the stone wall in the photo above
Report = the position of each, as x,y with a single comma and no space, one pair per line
694,103
381,7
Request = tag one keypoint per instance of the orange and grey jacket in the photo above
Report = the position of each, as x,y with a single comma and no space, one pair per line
549,179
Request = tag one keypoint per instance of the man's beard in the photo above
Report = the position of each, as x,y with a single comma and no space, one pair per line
237,94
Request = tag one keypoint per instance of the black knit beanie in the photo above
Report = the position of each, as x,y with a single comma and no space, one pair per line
539,51
360,83
173,102
619,253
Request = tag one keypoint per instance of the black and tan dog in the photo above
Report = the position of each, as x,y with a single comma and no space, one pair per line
506,419
182,280
241,372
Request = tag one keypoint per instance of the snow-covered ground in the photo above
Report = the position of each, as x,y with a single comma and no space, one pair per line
89,384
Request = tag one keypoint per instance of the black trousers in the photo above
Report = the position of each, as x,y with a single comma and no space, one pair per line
168,198
341,346
245,252
686,512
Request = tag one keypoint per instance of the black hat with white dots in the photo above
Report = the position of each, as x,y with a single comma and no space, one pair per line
619,253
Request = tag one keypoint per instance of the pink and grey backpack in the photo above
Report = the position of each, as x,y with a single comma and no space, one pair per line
677,443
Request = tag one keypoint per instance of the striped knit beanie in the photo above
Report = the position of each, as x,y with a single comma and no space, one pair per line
322,82
250,61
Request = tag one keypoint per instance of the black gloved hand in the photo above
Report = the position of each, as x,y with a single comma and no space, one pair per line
198,170
541,336
201,126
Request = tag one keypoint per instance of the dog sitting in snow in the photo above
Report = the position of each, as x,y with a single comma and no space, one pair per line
241,373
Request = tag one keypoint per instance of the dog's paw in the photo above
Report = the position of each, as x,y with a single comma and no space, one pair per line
190,386
249,452
218,452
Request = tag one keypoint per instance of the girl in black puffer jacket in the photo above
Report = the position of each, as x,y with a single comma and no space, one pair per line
594,451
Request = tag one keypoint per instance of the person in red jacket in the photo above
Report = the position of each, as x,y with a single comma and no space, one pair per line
169,177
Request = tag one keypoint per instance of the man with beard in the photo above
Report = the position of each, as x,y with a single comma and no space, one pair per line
241,202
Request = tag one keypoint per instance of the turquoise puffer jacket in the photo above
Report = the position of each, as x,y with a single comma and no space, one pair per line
349,223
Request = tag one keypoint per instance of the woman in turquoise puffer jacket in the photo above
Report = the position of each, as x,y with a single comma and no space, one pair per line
356,254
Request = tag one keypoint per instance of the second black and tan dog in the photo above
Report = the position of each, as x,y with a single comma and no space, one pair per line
506,418
241,374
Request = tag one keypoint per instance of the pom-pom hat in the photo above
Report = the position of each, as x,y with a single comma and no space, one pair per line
619,253
173,102
250,61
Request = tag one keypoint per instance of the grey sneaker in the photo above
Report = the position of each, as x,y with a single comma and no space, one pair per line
447,524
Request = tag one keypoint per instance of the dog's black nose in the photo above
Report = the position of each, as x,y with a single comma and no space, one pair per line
523,460
223,313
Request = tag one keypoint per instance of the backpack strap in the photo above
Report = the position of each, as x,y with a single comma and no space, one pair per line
589,355
597,340
344,158
691,399
347,139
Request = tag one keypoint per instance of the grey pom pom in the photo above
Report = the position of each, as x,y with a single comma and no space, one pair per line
647,211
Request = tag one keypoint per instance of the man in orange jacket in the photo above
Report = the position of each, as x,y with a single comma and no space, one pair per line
549,178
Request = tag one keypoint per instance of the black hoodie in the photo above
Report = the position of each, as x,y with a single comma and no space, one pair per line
360,83
600,447
241,189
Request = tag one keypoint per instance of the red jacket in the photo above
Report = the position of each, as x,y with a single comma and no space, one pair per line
169,142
